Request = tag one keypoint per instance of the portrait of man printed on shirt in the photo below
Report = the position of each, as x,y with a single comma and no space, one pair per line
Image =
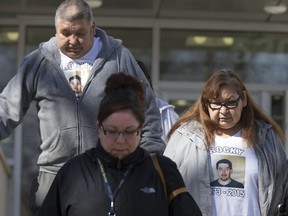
75,84
224,169
77,79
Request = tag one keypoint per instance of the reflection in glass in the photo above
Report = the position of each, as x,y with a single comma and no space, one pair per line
36,35
188,55
181,105
138,41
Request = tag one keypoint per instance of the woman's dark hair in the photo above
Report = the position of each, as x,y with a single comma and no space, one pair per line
123,92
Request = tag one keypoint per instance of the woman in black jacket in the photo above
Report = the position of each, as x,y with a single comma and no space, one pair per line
118,177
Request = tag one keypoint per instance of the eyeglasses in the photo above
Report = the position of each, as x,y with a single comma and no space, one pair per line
115,133
228,104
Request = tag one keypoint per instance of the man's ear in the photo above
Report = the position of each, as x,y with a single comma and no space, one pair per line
94,27
97,125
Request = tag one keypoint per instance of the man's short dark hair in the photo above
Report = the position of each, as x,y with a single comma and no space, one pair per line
75,77
226,161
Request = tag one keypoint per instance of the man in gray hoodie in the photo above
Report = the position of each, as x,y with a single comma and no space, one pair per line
68,120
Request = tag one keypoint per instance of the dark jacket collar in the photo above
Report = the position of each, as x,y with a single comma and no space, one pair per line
136,157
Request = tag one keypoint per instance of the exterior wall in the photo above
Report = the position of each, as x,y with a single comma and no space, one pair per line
4,185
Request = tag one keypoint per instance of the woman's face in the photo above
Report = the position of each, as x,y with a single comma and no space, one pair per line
120,133
227,109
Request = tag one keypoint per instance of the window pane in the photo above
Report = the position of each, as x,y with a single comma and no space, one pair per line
36,35
181,105
138,41
188,55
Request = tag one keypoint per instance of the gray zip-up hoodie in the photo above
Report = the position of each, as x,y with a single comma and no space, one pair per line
188,149
68,124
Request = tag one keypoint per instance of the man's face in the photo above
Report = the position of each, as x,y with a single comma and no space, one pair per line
224,171
75,85
118,133
76,38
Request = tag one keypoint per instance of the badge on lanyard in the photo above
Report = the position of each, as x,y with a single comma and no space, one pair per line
111,194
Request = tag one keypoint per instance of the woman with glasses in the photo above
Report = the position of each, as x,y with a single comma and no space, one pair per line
118,177
226,124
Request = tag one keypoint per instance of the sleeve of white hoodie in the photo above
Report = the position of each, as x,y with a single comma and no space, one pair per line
168,116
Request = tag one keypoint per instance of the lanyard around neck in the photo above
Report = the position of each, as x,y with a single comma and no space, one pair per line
108,188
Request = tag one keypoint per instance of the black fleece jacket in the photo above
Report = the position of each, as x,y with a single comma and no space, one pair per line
79,188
